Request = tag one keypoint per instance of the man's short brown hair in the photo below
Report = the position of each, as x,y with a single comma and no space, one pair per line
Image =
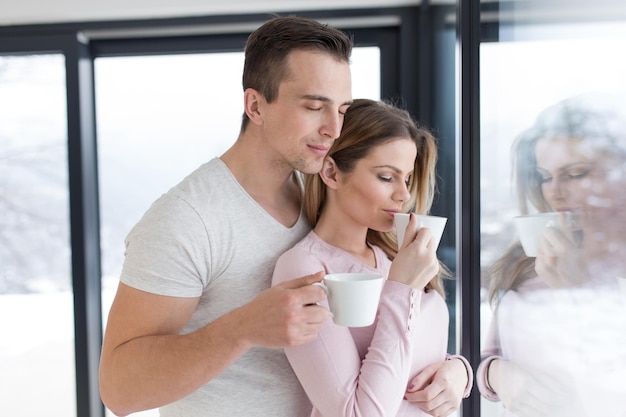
267,49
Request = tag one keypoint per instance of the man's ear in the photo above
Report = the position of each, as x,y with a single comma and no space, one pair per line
329,173
252,101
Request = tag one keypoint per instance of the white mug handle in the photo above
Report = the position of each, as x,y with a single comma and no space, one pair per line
325,288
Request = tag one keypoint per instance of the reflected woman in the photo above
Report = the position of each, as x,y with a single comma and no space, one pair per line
554,313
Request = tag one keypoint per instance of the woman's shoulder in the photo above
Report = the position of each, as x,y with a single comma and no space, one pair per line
300,260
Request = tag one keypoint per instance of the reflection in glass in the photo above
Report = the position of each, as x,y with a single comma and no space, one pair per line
36,302
554,325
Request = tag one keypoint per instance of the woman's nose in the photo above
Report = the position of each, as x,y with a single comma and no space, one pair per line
557,189
402,192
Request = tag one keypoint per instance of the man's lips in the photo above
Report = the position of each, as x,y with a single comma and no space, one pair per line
319,149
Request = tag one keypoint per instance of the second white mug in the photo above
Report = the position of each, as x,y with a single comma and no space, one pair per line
436,225
530,227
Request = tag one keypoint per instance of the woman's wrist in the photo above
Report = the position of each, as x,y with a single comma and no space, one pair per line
468,371
488,379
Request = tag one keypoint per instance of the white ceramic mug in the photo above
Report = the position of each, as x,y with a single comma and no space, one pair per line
530,227
353,297
436,225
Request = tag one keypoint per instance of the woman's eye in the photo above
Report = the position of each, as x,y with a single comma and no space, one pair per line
385,178
577,175
314,108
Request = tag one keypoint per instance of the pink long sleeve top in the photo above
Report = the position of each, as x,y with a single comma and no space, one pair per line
365,371
569,339
492,345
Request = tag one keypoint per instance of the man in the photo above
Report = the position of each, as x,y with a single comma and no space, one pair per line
194,326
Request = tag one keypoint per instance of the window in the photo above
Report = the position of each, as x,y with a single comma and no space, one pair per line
531,68
36,299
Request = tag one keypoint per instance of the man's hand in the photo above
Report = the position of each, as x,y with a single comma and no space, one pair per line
286,314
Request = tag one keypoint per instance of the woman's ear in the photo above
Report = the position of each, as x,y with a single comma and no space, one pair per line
252,101
329,173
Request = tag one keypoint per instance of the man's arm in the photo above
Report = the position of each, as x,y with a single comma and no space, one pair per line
146,363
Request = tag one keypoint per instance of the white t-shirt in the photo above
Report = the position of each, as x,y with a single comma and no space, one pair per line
207,238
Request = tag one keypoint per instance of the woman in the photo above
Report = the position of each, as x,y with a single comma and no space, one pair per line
381,164
559,311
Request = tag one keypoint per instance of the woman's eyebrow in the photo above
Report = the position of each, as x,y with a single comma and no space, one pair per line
576,164
566,166
392,167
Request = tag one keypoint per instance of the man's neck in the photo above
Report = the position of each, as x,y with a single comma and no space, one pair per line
272,186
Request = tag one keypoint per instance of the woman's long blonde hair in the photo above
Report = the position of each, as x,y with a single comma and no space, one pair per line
368,124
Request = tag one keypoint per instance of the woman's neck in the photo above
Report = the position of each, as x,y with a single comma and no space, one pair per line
347,237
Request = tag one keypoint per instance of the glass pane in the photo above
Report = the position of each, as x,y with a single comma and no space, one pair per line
37,371
552,139
159,118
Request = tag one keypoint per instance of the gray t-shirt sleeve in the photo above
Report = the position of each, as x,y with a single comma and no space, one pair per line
164,250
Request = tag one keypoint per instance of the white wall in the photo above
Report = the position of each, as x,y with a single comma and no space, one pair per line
16,12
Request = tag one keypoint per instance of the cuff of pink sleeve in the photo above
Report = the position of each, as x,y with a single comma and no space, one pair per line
482,374
470,373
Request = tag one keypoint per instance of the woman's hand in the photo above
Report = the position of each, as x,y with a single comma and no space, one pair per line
416,263
560,261
532,393
438,389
